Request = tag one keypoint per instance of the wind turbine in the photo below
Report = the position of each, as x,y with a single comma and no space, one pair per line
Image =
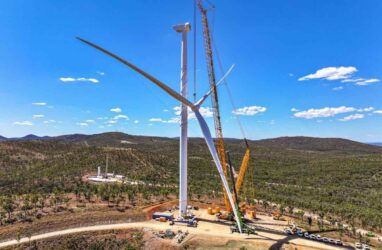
194,107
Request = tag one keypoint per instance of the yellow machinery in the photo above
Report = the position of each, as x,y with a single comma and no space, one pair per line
216,112
278,216
243,167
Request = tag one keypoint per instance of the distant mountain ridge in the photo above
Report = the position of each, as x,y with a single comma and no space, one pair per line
320,144
29,137
118,139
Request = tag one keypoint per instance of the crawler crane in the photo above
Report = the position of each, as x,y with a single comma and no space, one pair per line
216,113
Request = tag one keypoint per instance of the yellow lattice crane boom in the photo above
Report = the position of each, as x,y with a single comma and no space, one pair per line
243,167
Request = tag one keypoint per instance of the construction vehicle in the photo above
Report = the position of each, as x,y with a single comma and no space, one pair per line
166,234
278,216
216,115
190,222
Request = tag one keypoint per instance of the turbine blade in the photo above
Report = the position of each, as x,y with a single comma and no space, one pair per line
160,84
200,102
211,146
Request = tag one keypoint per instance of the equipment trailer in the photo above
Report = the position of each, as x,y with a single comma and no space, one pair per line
246,229
190,222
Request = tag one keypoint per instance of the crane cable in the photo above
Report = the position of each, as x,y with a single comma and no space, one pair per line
213,8
229,92
194,94
251,176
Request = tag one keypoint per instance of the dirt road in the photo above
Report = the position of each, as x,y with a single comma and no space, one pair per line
203,229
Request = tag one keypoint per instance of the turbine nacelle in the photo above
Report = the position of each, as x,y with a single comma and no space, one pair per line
182,27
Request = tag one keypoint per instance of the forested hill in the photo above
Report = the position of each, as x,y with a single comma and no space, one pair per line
320,144
320,174
117,139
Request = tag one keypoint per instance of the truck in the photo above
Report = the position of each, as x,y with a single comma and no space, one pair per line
167,216
190,222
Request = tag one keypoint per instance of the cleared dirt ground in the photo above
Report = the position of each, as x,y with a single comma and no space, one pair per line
210,234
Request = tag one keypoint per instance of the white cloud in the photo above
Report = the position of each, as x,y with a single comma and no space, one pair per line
49,121
121,117
249,111
82,124
155,120
136,121
116,110
165,110
367,82
111,122
344,74
39,103
90,121
67,79
80,79
100,73
378,112
23,123
291,74
177,110
324,112
338,88
331,73
354,80
352,117
361,81
38,116
204,111
102,118
173,120
366,109
294,110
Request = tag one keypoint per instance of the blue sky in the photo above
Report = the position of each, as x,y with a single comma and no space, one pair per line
304,67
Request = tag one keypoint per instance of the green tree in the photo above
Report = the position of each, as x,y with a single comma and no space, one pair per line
9,206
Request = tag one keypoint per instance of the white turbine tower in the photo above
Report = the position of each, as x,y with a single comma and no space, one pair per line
195,108
183,139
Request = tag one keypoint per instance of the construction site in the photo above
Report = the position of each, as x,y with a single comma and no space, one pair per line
237,216
234,219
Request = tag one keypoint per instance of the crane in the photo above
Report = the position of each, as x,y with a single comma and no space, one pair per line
216,111
214,97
